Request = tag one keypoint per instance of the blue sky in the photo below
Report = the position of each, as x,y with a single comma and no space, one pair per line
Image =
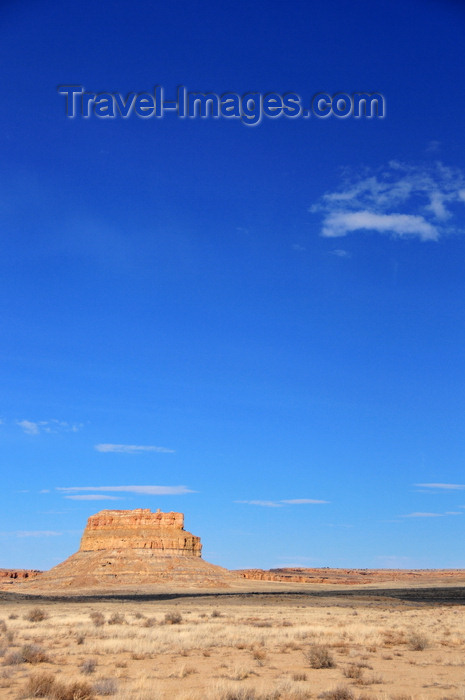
261,327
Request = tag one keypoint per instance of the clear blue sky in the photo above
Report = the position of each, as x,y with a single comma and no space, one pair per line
264,323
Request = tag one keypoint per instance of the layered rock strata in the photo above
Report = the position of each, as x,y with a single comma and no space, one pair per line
140,529
352,576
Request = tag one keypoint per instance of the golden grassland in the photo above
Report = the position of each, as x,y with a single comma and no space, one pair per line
280,648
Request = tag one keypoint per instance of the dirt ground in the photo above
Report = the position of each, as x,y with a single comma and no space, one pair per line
387,644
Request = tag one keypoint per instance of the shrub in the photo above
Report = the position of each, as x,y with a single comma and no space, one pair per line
106,686
13,616
39,685
97,618
319,657
33,654
150,622
80,639
173,618
36,615
116,619
354,671
13,658
217,613
418,642
3,627
88,666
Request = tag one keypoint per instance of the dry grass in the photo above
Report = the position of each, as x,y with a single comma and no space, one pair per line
195,649
39,685
45,685
97,618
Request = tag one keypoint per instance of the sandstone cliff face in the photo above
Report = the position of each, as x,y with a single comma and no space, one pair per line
140,529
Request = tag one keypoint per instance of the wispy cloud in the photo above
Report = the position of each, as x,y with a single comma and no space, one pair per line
340,253
443,487
285,501
422,515
297,501
147,490
93,497
265,504
399,199
130,449
48,426
29,427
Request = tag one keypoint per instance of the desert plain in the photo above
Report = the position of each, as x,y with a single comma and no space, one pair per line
261,641
137,614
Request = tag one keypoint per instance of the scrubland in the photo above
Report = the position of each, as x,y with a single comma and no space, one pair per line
280,648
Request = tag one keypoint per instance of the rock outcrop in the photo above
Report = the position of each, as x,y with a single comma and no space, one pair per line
7,575
134,549
349,577
140,529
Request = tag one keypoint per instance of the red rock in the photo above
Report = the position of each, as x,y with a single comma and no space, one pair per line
18,574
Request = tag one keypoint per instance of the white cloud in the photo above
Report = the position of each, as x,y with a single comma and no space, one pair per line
93,497
445,487
296,501
423,515
130,449
341,223
148,490
279,504
48,426
399,200
29,427
266,504
340,253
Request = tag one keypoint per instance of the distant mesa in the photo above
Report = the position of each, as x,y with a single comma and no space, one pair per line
138,551
140,529
134,548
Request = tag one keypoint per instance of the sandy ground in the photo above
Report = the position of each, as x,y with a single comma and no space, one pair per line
389,643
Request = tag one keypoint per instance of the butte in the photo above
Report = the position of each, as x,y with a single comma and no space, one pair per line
134,550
